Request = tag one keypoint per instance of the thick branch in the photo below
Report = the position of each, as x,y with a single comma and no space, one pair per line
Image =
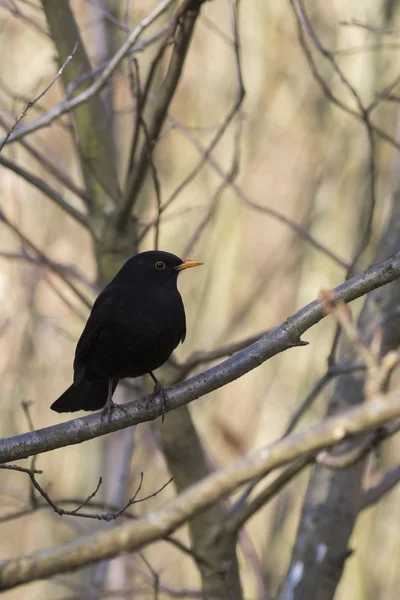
93,136
285,336
334,498
132,536
187,463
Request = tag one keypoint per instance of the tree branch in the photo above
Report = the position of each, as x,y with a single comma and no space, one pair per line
188,12
386,484
132,536
69,104
275,214
285,336
328,523
48,191
39,97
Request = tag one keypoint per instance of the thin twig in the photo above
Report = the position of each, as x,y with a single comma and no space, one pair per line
186,17
242,512
47,190
206,152
39,97
68,104
76,512
21,469
43,258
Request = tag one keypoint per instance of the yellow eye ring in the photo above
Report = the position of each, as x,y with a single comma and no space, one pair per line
160,265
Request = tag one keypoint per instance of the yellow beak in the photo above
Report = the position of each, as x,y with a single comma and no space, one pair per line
188,264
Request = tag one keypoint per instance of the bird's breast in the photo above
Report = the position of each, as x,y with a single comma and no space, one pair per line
140,335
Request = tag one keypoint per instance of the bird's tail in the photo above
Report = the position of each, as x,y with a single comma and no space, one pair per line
87,395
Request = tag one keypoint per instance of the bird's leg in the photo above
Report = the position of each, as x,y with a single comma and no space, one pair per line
158,389
110,404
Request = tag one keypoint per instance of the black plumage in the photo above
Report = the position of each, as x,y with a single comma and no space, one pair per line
135,324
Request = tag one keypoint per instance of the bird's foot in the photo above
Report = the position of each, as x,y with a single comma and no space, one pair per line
108,409
158,389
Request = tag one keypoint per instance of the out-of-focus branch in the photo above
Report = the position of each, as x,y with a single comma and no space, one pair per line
201,357
39,97
141,98
364,114
44,260
332,371
47,190
124,593
378,30
104,507
93,136
329,524
188,464
53,266
67,105
368,443
52,168
177,511
385,485
237,145
18,14
287,335
30,472
242,513
188,14
206,152
303,26
179,435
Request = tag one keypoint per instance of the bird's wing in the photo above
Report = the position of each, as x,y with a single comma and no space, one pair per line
94,325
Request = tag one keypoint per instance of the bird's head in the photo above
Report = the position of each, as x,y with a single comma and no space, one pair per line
157,266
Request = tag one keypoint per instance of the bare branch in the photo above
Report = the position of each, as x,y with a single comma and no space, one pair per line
53,169
386,484
281,338
242,513
43,258
200,357
68,104
206,154
35,100
130,537
188,13
48,191
51,265
77,512
21,469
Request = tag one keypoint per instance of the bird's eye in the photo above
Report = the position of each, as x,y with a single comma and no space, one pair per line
160,265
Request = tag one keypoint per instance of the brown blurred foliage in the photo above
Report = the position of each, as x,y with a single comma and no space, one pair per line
298,154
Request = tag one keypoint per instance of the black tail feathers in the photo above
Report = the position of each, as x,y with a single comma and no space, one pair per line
87,395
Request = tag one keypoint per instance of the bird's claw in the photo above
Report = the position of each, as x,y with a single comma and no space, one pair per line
108,409
158,389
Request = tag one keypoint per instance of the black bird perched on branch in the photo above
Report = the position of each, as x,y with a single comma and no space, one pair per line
135,324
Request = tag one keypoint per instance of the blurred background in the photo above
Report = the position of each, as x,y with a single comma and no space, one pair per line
287,150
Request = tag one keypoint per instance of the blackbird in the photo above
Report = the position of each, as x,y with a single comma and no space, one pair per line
135,324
